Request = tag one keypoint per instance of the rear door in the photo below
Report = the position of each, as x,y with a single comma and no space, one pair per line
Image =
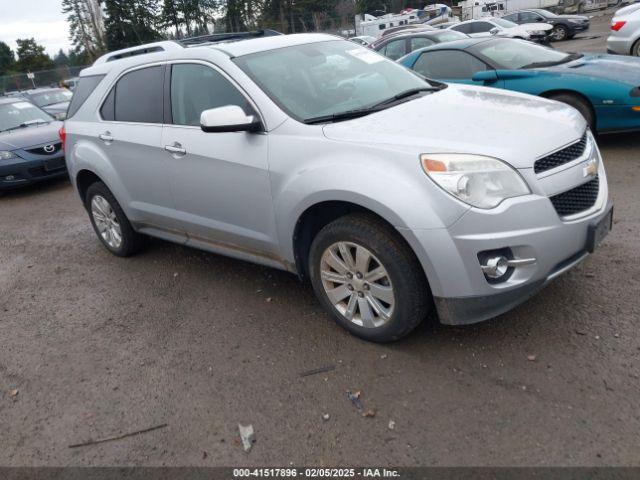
220,181
130,134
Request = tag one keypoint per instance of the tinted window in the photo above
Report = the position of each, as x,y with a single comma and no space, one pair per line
138,96
108,110
86,85
448,64
418,42
464,28
512,18
396,49
482,27
448,36
529,17
51,97
196,88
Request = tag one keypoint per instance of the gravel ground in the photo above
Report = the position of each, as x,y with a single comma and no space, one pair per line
95,346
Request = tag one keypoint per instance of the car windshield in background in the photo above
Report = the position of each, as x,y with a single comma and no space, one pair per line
49,98
514,54
329,78
449,36
21,114
504,23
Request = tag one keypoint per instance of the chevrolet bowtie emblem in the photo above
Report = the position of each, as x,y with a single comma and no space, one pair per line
591,169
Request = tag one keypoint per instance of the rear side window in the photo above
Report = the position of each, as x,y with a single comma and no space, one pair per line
85,87
464,28
137,97
481,27
396,49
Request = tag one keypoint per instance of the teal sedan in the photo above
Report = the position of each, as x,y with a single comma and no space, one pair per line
604,88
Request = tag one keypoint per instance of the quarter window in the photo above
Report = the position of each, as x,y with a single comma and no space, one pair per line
85,87
196,88
448,65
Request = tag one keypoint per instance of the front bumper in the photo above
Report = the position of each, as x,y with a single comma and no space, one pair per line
529,227
20,172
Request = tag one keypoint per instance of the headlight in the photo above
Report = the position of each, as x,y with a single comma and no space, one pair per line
482,182
4,155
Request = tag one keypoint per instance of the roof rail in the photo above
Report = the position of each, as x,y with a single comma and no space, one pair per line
226,37
137,50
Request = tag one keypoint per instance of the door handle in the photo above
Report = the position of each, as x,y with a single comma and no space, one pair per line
176,149
106,137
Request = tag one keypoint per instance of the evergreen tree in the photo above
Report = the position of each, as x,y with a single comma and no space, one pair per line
86,25
61,59
31,56
7,59
131,22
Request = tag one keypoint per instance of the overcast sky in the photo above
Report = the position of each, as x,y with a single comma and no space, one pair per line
40,19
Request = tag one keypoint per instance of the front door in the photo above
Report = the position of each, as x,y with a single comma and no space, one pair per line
220,181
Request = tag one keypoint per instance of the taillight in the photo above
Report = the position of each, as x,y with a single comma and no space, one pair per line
616,26
63,136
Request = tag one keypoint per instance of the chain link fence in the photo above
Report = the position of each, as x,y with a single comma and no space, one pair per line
43,78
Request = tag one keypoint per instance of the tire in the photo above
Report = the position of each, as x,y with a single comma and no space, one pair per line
559,33
579,104
635,50
101,204
379,308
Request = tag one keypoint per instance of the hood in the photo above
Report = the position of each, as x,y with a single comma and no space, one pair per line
30,136
620,68
56,107
534,27
510,126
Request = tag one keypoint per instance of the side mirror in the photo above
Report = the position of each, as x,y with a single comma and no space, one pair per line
486,76
494,31
228,119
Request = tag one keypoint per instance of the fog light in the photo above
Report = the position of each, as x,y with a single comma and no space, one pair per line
496,267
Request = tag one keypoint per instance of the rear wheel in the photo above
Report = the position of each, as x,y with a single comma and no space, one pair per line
368,278
635,50
110,223
559,33
579,104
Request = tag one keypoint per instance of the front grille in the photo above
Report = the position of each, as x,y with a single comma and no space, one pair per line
42,151
561,157
577,199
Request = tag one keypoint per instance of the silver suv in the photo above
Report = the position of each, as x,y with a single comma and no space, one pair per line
396,196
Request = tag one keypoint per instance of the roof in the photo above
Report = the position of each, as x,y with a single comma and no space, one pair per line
462,44
255,45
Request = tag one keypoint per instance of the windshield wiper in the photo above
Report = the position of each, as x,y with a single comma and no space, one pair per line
361,112
25,125
568,58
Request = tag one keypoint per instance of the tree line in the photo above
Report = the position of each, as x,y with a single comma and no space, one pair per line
98,26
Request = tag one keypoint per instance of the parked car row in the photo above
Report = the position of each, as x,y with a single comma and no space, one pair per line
625,31
396,195
54,101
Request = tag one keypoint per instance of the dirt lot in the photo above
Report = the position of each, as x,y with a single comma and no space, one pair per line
97,346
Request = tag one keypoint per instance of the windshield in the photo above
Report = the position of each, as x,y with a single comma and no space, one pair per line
504,23
327,78
17,114
515,54
49,98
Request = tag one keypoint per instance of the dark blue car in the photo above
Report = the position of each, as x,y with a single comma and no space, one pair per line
604,88
30,148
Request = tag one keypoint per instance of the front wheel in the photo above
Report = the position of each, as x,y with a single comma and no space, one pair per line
559,33
368,278
579,104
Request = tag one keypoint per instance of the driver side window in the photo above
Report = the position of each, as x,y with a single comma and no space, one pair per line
196,88
448,65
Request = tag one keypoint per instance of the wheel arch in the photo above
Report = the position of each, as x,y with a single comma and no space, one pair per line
565,91
84,179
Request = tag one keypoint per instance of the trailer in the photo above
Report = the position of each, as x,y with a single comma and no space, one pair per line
474,9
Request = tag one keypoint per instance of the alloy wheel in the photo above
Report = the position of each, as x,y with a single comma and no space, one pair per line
357,284
106,222
559,33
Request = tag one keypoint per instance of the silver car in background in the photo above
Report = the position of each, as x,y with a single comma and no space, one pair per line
625,31
396,196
